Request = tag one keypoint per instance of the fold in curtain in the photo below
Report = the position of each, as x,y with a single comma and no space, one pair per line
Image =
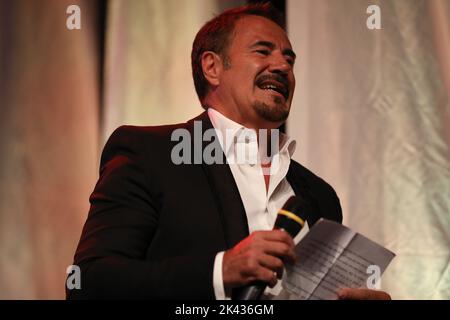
371,114
148,66
49,141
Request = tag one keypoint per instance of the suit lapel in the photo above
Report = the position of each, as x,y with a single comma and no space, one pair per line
225,192
302,190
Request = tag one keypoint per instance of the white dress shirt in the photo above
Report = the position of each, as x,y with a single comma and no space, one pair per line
261,204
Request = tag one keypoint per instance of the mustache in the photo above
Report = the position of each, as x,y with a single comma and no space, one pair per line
276,77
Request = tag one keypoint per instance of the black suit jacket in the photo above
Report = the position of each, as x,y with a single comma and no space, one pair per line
154,227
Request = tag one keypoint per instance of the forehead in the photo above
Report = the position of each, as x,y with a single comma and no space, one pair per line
251,29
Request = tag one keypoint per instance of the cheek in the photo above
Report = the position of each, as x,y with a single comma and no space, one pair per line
293,82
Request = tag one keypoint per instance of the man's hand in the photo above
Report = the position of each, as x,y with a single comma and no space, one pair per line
260,256
362,294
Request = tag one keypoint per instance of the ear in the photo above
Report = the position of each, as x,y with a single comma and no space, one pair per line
212,67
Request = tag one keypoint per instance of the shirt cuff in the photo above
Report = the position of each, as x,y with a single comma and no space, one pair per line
219,290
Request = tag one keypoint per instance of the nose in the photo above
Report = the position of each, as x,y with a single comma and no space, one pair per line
279,64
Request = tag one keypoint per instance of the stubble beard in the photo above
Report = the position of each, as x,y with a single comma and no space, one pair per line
275,113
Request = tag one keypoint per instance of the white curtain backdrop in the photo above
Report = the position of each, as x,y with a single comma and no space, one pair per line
371,111
148,69
371,115
49,133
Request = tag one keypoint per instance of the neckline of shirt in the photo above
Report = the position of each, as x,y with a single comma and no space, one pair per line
223,124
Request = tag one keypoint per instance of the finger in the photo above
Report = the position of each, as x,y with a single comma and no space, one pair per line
275,242
279,235
273,263
264,275
362,294
273,281
280,250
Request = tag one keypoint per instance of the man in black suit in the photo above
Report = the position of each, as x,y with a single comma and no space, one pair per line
163,228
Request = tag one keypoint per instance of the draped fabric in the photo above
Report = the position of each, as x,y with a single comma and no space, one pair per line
148,68
49,104
372,116
53,125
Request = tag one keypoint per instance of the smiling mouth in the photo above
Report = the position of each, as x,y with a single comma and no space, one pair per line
274,86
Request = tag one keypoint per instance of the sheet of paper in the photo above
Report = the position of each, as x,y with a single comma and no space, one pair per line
332,256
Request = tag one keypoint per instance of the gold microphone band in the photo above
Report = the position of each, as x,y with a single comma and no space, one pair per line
292,216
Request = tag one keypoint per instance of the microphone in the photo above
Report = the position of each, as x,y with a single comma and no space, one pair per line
290,218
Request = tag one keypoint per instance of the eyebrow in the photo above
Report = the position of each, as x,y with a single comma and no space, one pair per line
271,45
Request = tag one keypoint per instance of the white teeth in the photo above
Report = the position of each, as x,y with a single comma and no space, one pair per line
270,87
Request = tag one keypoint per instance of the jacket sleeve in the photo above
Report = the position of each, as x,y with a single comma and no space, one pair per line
122,221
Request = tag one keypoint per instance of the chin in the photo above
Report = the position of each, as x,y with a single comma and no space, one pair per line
276,113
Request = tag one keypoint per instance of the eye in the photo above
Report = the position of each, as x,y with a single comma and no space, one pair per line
290,61
263,52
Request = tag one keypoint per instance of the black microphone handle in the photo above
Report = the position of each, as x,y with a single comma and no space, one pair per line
253,291
288,219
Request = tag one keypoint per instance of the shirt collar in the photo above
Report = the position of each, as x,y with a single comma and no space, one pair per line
225,125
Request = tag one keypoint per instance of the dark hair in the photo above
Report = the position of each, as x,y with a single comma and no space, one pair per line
215,36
